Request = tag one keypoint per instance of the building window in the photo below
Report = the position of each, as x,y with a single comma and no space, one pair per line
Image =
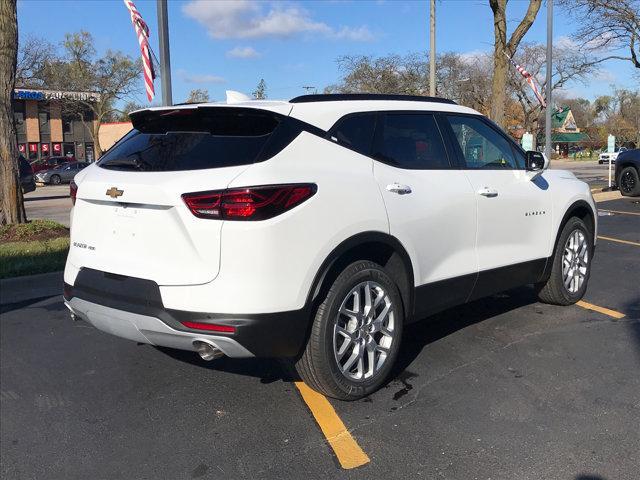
20,125
67,125
43,120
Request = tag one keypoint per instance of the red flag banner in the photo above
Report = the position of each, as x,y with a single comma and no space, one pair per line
142,32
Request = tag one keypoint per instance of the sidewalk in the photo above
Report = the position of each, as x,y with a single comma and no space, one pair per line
30,287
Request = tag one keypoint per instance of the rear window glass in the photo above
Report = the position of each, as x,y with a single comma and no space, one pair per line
356,132
192,139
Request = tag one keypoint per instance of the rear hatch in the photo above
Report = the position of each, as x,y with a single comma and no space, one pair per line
129,217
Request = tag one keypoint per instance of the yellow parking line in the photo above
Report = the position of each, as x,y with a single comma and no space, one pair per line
627,242
349,453
596,308
619,211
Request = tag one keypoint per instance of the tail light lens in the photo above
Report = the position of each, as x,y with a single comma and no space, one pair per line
250,203
212,327
73,191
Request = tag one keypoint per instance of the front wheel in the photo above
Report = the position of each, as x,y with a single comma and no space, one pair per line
55,180
571,265
629,183
355,335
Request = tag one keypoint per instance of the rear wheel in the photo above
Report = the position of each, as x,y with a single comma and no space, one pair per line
55,179
355,335
629,183
571,265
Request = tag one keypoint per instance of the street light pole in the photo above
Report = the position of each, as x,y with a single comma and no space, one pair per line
547,123
432,55
165,60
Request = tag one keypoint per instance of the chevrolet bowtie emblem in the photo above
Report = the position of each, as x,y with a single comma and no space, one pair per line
113,192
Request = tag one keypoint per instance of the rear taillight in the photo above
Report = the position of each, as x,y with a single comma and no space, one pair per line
250,203
212,327
73,191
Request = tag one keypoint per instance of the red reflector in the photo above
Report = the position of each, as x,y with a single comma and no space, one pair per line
73,191
250,203
209,326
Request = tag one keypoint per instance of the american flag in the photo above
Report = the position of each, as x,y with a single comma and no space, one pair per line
142,32
529,79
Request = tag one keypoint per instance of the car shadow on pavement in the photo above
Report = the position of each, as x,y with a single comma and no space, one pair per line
268,370
416,337
431,329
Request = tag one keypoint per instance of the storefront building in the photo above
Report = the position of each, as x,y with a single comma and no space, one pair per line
45,130
566,137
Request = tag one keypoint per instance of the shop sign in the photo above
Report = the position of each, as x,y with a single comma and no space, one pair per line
55,95
44,147
22,148
33,147
57,148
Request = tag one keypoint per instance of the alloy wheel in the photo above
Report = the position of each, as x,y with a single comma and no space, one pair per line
575,261
364,331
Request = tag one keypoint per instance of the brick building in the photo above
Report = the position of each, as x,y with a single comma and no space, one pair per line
43,128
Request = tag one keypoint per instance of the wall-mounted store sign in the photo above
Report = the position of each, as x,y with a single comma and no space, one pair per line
41,95
57,148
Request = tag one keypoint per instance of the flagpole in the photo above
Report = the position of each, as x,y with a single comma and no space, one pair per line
165,60
549,102
432,46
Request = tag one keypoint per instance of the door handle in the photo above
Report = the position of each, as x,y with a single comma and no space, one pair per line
488,192
399,189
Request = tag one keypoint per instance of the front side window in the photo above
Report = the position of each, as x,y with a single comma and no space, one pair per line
411,141
355,132
481,146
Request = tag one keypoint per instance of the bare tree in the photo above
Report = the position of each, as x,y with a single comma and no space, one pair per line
607,25
34,54
11,194
112,77
199,95
502,46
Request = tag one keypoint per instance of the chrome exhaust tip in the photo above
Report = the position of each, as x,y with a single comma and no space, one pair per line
207,351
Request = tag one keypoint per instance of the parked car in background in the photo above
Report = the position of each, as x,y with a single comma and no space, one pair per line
627,173
50,162
27,180
61,174
606,156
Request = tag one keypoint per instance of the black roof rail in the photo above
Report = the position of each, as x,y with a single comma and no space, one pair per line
337,97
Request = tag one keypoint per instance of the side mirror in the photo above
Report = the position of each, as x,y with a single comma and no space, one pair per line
536,161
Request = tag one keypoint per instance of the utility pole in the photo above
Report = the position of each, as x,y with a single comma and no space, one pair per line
165,60
432,54
548,99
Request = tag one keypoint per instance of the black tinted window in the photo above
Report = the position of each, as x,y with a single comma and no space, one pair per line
356,131
192,139
482,147
412,141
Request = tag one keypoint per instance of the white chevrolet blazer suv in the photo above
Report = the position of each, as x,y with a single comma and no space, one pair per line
316,229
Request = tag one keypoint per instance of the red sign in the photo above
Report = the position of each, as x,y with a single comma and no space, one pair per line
33,147
57,147
22,148
44,147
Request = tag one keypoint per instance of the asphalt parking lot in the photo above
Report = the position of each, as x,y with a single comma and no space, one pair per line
504,388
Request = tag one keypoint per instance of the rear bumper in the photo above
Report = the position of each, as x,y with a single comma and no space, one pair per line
132,308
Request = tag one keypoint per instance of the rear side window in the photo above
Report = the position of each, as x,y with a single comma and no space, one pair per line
356,132
192,139
411,141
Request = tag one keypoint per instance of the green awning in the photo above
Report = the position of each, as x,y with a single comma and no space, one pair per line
569,137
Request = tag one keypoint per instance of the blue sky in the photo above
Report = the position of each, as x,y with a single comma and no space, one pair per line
218,45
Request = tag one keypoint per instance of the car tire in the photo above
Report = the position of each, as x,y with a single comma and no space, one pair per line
571,265
629,182
327,364
55,180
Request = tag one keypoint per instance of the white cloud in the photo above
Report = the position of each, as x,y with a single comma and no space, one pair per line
604,76
250,19
243,52
474,56
199,78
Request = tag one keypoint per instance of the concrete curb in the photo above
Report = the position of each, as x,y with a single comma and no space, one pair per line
30,287
606,196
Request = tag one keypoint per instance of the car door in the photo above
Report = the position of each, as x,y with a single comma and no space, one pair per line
514,209
430,205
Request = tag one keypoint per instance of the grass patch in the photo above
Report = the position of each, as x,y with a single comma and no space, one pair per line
39,246
34,230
